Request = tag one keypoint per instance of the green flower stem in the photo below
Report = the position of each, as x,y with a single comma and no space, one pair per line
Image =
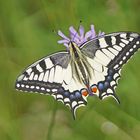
52,123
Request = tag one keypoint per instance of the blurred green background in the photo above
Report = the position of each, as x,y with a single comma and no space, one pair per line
26,35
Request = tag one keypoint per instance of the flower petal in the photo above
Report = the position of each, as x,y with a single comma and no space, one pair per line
88,35
72,30
93,31
79,37
73,33
81,31
101,33
62,35
62,41
66,44
76,40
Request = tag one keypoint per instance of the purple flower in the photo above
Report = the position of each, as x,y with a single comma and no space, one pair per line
79,37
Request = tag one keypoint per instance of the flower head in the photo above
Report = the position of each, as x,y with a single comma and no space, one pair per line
79,37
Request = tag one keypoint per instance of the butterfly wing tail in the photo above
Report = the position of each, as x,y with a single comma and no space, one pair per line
109,89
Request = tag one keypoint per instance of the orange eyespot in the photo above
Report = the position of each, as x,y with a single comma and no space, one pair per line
94,89
84,92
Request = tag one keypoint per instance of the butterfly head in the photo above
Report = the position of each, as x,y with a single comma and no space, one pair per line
74,50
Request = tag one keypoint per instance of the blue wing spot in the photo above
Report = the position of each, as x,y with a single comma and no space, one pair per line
72,97
77,94
109,78
106,84
66,93
100,86
110,71
60,90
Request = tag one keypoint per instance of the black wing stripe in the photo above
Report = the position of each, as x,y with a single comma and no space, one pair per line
125,54
108,40
43,65
122,46
34,69
118,39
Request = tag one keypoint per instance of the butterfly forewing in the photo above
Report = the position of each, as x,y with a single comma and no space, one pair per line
112,49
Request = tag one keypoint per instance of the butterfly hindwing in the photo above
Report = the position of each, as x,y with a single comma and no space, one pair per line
72,99
107,87
52,75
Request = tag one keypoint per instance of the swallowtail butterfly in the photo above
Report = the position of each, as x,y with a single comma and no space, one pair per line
92,68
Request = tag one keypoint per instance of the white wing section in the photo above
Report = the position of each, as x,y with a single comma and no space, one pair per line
98,71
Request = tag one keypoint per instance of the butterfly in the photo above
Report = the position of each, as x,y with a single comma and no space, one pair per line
93,68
